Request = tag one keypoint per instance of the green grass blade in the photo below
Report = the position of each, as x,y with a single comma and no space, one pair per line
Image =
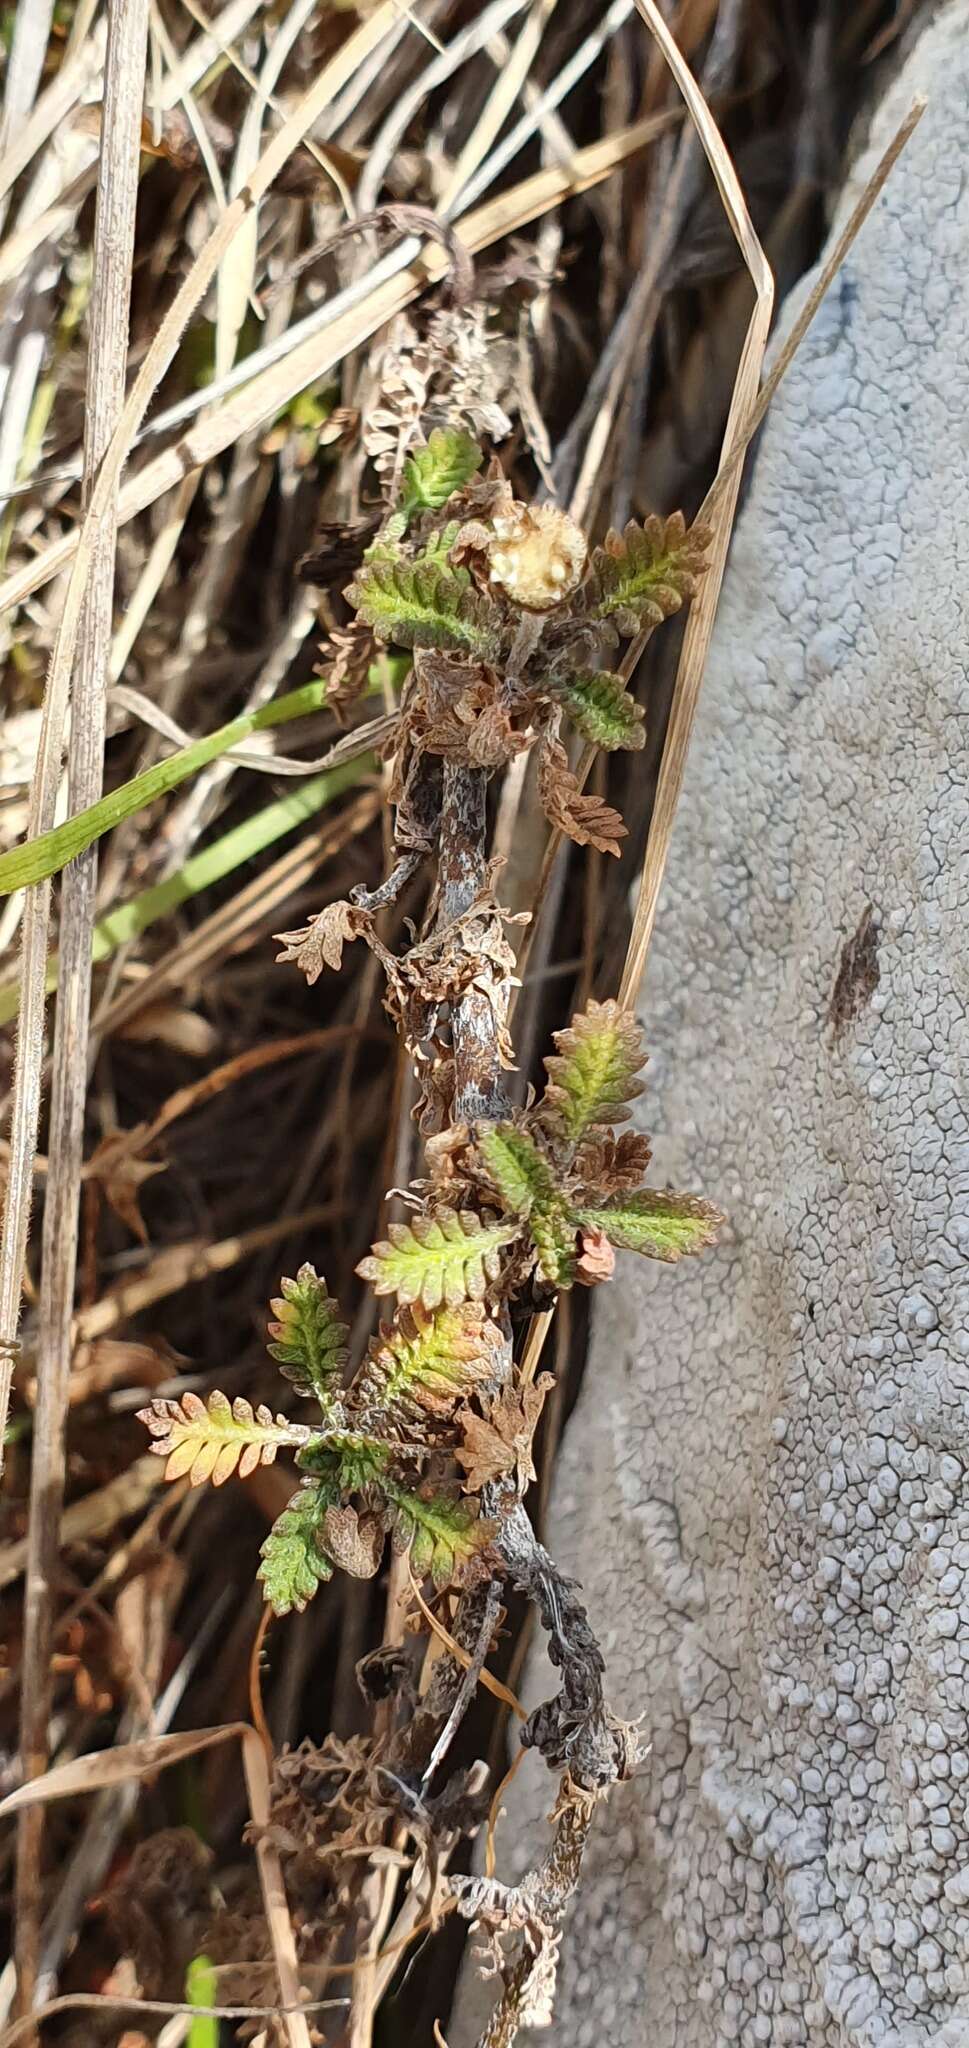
205,868
202,1988
51,851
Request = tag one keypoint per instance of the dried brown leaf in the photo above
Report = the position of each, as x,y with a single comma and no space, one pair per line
320,943
589,820
596,1259
614,1165
355,1542
500,1444
116,1169
345,661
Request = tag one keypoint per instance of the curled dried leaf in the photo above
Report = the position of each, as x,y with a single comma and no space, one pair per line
595,1260
609,1165
346,657
499,1445
589,820
320,943
354,1541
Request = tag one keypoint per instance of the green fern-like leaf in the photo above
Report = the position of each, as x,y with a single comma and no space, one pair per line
211,1442
602,710
423,604
449,1256
552,1227
642,576
526,1184
592,1075
310,1339
433,474
438,545
293,1564
423,1362
516,1168
657,1223
442,1534
386,546
345,1461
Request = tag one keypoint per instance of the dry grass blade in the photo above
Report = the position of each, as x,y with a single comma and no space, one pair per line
699,627
156,567
238,267
181,1264
100,510
717,155
501,99
31,34
114,235
567,78
499,103
348,321
205,51
328,161
817,294
538,1330
747,413
140,1759
53,106
273,1888
494,1811
107,1767
55,220
481,29
199,131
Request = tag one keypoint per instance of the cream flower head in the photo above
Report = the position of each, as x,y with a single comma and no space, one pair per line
538,555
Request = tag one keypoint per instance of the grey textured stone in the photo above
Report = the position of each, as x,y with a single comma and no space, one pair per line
763,1488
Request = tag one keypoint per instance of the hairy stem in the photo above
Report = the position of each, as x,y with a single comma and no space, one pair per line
539,1903
478,1089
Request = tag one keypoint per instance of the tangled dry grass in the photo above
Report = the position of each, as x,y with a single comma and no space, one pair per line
217,1121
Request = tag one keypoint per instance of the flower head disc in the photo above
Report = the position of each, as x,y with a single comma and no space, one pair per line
538,555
